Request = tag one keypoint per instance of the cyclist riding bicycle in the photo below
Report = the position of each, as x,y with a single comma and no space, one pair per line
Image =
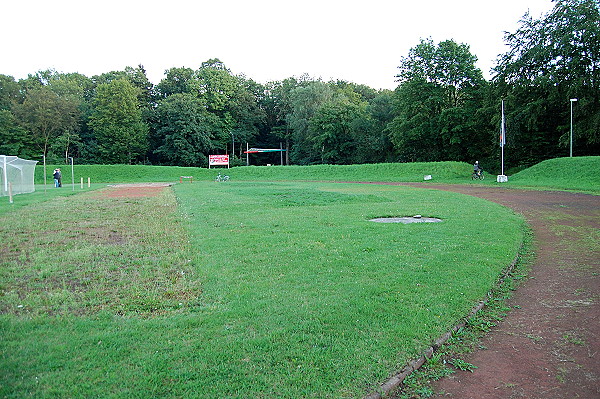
477,169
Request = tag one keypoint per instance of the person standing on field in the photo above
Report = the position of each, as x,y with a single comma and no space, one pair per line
57,178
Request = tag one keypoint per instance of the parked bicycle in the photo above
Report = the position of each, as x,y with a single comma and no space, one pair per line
221,178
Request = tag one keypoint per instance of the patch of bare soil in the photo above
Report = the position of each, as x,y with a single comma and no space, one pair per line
133,190
548,346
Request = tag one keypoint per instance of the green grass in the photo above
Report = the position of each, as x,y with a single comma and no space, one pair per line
239,289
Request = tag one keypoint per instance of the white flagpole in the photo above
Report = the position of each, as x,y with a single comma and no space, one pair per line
502,137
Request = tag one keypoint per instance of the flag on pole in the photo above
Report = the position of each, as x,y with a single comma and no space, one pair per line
502,129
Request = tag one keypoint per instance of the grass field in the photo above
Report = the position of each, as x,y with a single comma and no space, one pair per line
250,288
237,290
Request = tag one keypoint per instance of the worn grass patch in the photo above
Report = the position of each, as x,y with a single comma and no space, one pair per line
84,254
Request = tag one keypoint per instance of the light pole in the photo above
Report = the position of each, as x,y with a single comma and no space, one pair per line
44,157
571,140
72,175
232,146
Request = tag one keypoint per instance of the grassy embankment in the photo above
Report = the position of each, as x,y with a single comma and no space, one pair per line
442,171
580,174
577,174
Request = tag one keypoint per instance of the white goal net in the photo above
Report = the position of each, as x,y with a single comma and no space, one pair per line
16,174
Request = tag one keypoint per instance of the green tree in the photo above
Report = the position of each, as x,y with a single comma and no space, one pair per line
9,92
277,104
216,86
177,80
137,77
186,129
78,89
305,101
47,116
370,131
14,140
116,122
230,98
436,101
551,60
331,130
415,129
249,118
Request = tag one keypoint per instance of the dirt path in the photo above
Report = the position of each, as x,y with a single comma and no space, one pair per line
549,344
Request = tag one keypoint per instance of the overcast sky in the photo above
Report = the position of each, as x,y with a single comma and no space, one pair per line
266,40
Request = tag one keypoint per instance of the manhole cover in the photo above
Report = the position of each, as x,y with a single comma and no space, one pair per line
407,219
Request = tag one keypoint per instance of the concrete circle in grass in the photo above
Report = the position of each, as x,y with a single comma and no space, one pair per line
407,219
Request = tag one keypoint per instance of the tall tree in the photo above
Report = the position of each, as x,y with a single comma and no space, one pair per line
177,80
77,88
249,118
137,77
305,102
9,92
215,84
47,116
277,104
551,60
370,132
436,100
331,130
186,130
232,99
415,130
14,140
116,122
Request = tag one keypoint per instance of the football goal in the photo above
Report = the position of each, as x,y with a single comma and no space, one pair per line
16,175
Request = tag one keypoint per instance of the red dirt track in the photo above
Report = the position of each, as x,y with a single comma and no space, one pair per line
548,346
136,190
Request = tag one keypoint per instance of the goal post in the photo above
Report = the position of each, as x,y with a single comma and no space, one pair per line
18,173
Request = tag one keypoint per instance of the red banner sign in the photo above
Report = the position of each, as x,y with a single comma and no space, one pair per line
218,160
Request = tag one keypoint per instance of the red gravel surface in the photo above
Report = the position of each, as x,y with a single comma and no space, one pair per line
548,346
137,190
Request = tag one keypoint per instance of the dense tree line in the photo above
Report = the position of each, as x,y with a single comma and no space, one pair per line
442,109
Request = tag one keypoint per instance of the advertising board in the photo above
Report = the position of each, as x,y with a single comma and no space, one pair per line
218,160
